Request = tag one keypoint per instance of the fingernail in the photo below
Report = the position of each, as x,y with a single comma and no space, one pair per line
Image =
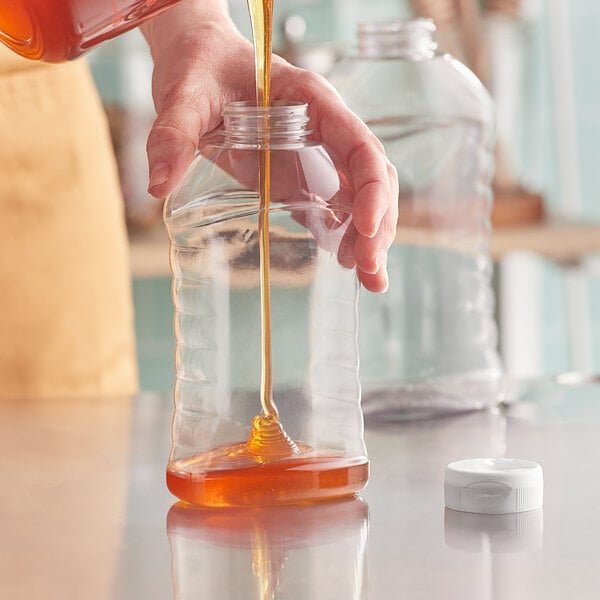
160,173
386,279
381,261
372,231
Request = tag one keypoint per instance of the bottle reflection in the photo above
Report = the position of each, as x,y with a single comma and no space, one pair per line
510,549
311,551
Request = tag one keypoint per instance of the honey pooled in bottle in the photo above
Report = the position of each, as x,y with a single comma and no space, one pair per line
269,467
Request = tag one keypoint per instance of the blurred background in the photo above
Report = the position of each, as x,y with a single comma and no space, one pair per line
537,58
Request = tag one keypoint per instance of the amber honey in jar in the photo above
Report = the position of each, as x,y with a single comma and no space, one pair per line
61,30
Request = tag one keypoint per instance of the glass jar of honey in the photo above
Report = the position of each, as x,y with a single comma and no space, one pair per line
61,30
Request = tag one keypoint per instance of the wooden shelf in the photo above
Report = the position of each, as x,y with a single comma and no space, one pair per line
149,253
564,242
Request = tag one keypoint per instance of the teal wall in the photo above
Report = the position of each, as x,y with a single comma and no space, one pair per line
584,25
154,333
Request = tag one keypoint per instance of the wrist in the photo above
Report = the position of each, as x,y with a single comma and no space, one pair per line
189,22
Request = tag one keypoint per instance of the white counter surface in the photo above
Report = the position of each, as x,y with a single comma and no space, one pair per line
83,512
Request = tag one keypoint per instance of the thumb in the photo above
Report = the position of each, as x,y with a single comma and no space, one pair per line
171,146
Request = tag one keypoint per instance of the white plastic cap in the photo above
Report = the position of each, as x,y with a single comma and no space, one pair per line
493,486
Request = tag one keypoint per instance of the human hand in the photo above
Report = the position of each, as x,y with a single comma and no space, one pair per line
202,62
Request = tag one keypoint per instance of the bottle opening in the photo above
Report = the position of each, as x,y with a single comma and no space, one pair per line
17,31
412,38
281,123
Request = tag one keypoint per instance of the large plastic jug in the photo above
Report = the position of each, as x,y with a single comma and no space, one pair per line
227,449
428,346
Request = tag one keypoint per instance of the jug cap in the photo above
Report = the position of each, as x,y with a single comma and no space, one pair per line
493,485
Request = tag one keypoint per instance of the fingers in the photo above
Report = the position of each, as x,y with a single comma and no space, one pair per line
171,146
372,177
376,188
376,282
375,214
370,253
375,217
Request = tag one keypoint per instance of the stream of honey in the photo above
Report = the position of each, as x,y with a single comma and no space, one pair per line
270,467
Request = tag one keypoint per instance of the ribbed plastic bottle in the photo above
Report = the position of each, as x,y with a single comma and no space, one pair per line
428,346
60,30
226,450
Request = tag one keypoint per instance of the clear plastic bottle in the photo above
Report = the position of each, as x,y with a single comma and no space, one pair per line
428,346
60,30
225,451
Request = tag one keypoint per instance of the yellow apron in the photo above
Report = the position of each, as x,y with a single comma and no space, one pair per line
66,314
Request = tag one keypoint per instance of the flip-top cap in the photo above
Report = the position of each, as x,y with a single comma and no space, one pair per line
493,486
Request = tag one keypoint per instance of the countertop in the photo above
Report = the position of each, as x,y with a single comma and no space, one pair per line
85,512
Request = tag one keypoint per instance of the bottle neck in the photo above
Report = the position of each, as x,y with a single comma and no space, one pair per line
280,125
409,39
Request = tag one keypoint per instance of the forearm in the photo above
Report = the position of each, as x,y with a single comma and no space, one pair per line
188,22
